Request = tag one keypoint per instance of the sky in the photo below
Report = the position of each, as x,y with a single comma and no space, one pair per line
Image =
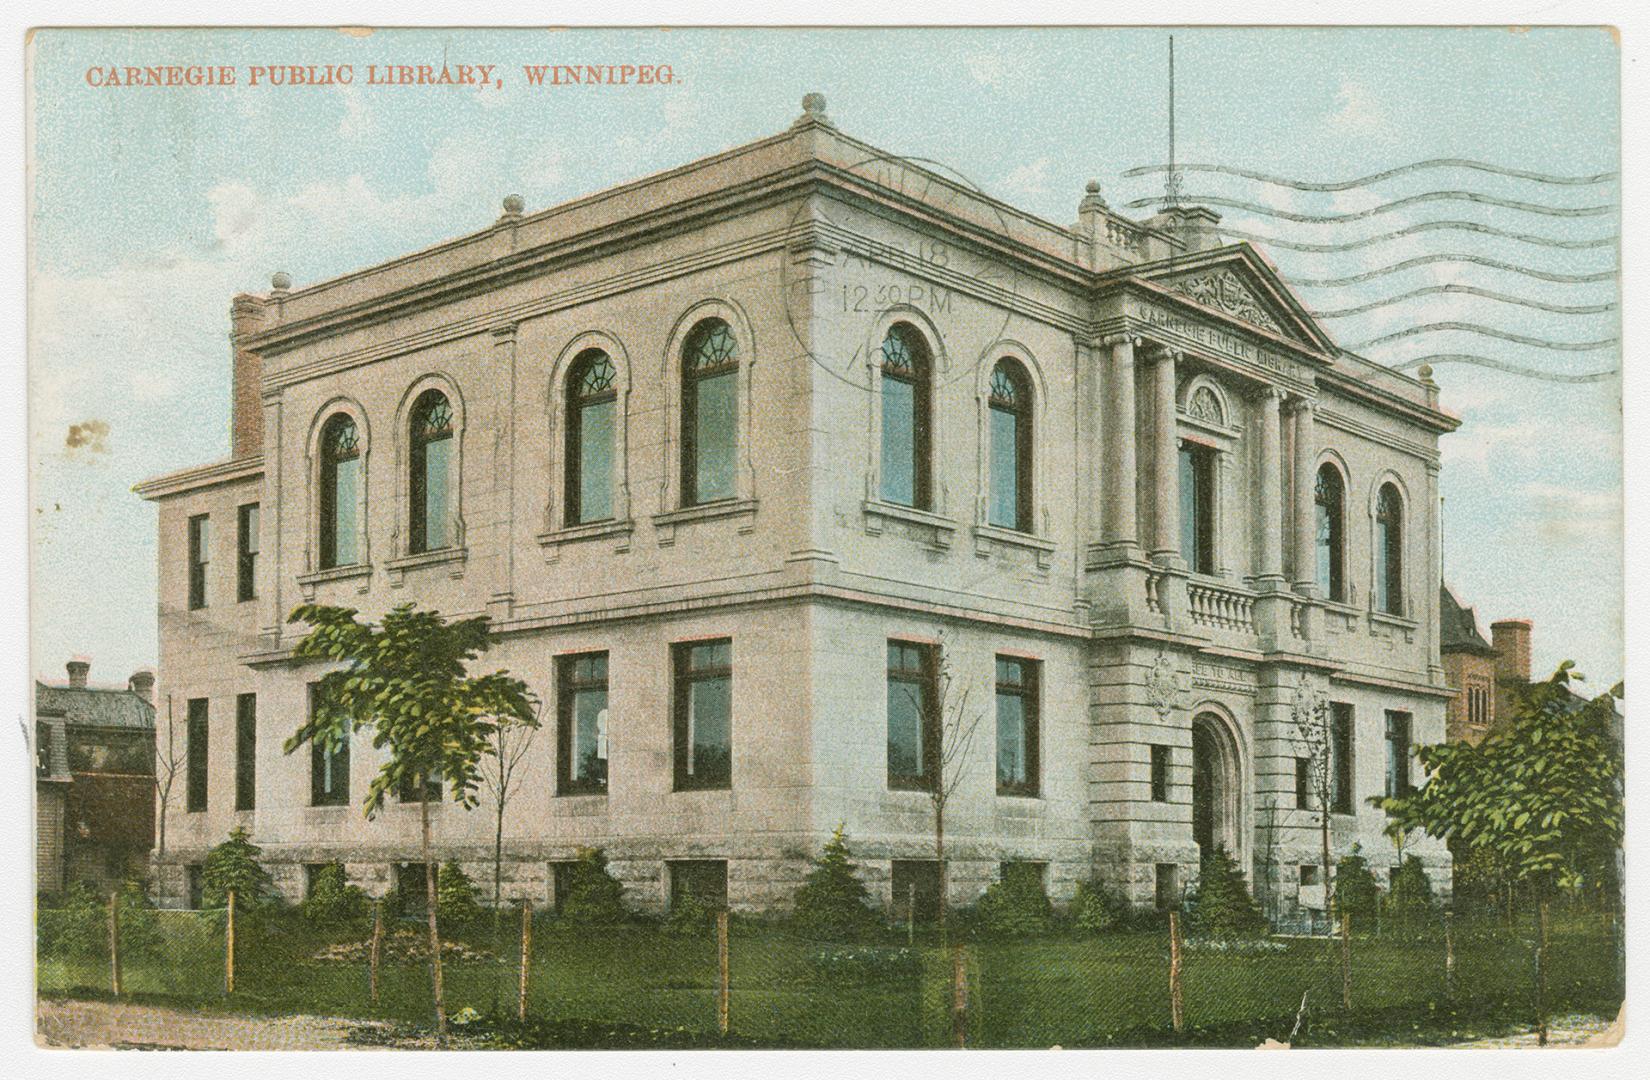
150,207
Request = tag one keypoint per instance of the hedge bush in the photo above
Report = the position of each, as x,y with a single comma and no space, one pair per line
833,902
1220,906
1015,904
332,900
594,895
1356,893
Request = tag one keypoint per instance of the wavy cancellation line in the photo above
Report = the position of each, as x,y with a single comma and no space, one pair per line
1466,290
1487,331
1501,365
1401,170
1385,208
1421,227
1455,257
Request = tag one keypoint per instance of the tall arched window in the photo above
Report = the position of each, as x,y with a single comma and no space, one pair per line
710,413
1010,480
592,397
905,415
1389,550
340,492
430,522
1330,496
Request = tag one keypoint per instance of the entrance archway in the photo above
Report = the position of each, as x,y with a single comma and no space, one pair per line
1217,790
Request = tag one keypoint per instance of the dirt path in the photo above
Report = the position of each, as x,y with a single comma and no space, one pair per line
120,1026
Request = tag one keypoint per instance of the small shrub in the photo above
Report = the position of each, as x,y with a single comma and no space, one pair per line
1221,906
1356,893
1096,908
455,898
594,895
333,900
1410,900
850,965
689,916
1015,904
833,902
233,866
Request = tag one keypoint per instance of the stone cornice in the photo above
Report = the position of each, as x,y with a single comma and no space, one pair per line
200,476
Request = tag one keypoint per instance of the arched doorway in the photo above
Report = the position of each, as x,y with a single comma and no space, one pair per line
1216,787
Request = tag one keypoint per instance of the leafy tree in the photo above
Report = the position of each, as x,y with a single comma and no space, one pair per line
1542,794
833,902
1221,906
1356,892
1097,907
455,902
594,895
407,681
332,899
1015,904
1411,892
233,866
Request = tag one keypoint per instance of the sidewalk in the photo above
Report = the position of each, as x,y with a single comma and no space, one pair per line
121,1026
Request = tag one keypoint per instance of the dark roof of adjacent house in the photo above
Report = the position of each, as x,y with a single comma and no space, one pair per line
90,706
1458,627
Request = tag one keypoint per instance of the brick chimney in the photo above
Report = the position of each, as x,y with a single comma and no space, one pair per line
246,427
142,683
1511,638
79,667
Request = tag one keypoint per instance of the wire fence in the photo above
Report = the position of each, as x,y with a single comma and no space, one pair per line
762,983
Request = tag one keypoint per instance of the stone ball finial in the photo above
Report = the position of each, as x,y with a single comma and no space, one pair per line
813,104
1425,372
514,204
280,281
1092,187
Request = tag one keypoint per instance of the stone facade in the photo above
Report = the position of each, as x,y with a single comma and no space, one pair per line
1134,340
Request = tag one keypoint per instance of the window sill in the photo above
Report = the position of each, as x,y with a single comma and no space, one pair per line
989,537
308,582
552,541
453,557
664,525
1393,620
920,525
707,789
1035,796
597,794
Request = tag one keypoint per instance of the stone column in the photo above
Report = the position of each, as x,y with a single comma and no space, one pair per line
1305,500
1270,511
1119,470
1165,463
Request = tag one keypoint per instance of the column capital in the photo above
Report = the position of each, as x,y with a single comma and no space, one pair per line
504,334
1158,353
1301,403
1113,340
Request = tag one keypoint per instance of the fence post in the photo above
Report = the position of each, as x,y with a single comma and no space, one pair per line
911,914
1346,960
959,997
722,971
229,947
526,954
1177,1001
1449,953
1541,977
373,950
114,941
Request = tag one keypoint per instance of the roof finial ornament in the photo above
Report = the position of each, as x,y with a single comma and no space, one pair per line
1092,199
513,206
813,110
1171,184
280,281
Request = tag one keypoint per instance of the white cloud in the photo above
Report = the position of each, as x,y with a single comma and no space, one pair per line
1563,515
1030,178
357,120
986,68
1358,110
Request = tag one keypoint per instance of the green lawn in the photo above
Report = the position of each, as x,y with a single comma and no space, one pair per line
1099,990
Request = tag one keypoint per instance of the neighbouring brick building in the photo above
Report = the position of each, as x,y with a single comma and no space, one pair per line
94,780
749,461
1471,666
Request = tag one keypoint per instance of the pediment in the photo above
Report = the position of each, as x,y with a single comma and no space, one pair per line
1237,284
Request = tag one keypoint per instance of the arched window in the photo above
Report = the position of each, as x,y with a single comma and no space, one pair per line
340,492
1330,496
1389,550
710,413
592,397
1010,480
905,427
430,522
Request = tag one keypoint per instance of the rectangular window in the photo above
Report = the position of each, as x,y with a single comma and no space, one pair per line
1303,783
196,886
1309,874
200,555
904,439
913,721
916,885
1340,757
706,880
703,714
246,553
1168,886
1397,754
412,889
195,796
246,751
1197,507
312,873
561,883
1017,726
42,749
581,724
328,768
1160,773
407,790
710,429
